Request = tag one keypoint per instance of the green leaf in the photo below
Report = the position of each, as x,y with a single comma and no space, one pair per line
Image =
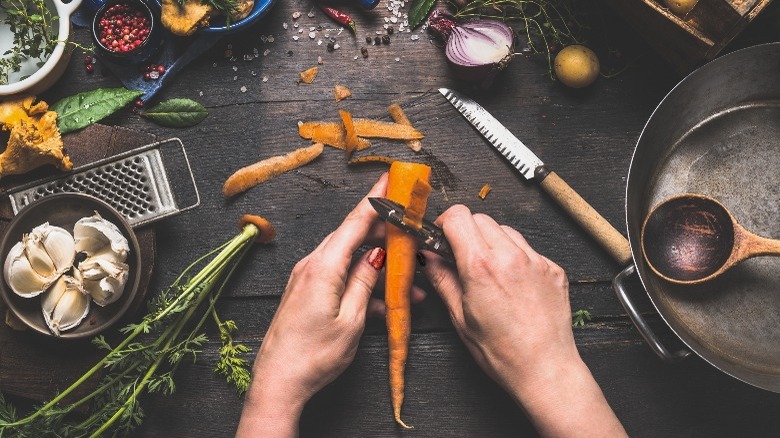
418,11
83,109
176,113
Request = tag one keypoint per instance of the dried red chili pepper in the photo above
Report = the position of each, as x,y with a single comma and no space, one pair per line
338,16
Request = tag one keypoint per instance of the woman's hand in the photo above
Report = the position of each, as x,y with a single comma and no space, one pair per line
315,332
510,306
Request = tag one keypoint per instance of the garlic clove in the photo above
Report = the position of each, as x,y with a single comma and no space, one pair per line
59,245
20,275
104,280
93,234
53,294
37,255
71,308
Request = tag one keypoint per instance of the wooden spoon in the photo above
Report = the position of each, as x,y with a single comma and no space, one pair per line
689,239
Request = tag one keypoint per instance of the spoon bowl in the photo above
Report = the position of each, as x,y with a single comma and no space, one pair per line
689,239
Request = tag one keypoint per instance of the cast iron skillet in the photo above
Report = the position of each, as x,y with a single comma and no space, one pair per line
717,133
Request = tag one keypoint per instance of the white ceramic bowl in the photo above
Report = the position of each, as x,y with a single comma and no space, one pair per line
51,71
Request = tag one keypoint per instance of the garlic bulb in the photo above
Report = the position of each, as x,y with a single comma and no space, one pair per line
95,235
65,305
39,262
35,262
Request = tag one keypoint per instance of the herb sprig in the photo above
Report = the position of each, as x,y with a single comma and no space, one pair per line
146,360
35,37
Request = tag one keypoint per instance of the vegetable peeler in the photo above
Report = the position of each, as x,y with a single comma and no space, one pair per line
430,236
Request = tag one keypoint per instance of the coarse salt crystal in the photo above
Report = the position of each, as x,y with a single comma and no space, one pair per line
296,25
311,14
386,26
397,59
319,60
285,25
319,42
214,64
312,29
300,30
355,58
200,93
270,38
296,15
235,68
235,77
415,37
387,19
341,29
266,52
312,35
394,19
379,32
265,78
154,74
336,46
243,89
295,37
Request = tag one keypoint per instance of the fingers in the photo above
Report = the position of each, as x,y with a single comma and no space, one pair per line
462,231
494,234
445,281
353,231
360,282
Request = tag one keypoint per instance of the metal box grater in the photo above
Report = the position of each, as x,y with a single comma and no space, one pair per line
144,185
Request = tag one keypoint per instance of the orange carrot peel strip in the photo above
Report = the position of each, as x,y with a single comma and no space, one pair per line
307,76
351,139
372,159
418,202
254,174
399,116
484,191
331,134
341,92
400,265
363,128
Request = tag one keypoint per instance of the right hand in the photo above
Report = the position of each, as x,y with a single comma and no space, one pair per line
510,306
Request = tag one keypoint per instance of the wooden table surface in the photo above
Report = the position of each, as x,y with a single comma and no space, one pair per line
587,136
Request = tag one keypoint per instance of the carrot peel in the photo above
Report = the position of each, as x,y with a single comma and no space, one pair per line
254,174
400,266
350,140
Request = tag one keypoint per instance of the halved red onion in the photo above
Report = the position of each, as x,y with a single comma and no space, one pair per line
477,49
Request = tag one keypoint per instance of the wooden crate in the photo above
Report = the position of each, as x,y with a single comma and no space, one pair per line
699,36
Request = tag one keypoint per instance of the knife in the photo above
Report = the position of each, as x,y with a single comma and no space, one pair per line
431,237
532,168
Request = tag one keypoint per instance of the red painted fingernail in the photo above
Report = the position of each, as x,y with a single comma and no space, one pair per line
376,258
421,259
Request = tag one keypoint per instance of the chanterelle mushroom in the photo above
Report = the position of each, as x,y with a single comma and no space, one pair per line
35,140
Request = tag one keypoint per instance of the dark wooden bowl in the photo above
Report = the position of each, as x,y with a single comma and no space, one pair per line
63,210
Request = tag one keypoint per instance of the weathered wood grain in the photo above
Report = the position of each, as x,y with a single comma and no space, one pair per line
586,136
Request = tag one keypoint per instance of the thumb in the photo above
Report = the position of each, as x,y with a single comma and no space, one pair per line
445,280
360,282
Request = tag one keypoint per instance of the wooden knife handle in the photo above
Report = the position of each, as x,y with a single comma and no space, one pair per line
588,218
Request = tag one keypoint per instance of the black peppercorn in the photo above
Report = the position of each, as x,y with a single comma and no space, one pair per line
385,39
331,47
390,30
364,52
368,40
377,41
289,53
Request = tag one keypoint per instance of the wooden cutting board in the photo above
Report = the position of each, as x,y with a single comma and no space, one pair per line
37,367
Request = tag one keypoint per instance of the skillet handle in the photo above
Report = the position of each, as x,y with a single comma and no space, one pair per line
640,323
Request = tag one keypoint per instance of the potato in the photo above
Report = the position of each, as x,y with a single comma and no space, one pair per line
680,7
577,66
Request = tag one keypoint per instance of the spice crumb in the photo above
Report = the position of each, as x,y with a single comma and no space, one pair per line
296,37
296,25
355,58
296,15
214,65
200,93
253,73
270,38
385,39
312,35
415,37
311,14
319,42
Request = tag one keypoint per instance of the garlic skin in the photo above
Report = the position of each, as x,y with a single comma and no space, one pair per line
96,235
20,275
64,307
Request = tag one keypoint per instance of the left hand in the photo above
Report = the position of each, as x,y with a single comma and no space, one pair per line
314,335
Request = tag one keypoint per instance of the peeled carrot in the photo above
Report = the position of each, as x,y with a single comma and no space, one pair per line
400,265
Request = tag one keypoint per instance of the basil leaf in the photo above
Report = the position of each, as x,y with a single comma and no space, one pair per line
176,113
83,109
419,11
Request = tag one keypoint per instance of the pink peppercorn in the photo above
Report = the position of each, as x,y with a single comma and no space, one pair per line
123,28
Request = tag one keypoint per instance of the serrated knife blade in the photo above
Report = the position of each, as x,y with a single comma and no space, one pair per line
532,168
518,154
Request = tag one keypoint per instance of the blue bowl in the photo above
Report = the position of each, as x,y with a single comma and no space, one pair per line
219,28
